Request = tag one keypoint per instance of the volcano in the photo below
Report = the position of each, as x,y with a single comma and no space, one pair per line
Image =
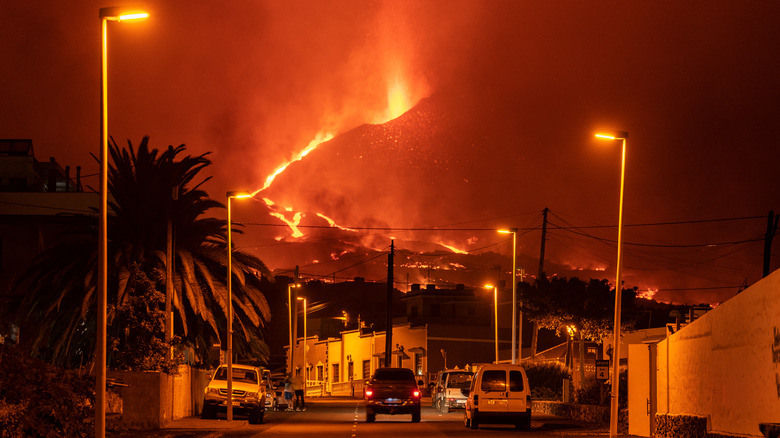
427,180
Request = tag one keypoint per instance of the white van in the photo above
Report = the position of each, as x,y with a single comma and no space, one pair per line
499,393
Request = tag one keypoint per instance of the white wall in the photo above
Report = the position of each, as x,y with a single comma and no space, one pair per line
726,364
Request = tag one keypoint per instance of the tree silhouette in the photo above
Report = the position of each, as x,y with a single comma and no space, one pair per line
61,300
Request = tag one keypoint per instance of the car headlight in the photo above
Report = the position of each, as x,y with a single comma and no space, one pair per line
213,391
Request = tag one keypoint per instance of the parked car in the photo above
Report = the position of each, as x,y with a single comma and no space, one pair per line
499,393
392,391
450,389
248,393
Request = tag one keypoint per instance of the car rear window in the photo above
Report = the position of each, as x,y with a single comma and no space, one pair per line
404,374
494,380
515,381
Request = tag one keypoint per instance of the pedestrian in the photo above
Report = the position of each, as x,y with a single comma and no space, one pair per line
288,393
298,387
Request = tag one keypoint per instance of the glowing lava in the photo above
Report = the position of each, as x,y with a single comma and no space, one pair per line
453,249
398,102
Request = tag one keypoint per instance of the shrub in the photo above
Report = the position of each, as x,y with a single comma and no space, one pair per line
593,392
546,379
682,426
39,400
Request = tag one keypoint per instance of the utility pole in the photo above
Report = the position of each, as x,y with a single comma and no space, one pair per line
544,239
535,335
771,229
389,330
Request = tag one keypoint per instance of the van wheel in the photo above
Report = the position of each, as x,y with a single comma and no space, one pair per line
416,416
466,421
474,420
524,422
370,416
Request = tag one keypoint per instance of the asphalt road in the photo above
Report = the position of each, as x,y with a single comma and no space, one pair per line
345,418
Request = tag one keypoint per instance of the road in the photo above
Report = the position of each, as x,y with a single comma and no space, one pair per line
345,418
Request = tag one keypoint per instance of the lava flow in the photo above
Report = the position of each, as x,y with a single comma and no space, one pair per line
398,103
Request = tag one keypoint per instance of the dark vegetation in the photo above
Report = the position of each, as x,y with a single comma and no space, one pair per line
40,400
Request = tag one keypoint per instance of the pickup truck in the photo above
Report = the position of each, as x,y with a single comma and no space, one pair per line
392,391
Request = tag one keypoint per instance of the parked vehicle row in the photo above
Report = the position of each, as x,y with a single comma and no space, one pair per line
494,393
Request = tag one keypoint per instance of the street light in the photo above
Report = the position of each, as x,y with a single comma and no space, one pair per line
304,342
513,231
613,415
229,402
106,15
290,316
495,305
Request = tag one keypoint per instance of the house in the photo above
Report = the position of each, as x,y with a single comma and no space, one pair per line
38,201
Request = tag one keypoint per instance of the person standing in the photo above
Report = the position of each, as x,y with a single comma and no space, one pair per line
288,393
298,387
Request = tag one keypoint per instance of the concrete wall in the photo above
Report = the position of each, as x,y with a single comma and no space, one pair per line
152,399
726,365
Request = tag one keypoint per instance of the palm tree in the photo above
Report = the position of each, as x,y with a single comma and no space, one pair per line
63,280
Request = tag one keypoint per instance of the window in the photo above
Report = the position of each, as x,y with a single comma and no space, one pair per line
515,381
366,369
336,376
435,310
413,311
320,373
494,380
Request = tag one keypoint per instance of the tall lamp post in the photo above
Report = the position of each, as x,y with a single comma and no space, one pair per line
495,317
613,415
106,15
513,232
304,342
290,316
229,402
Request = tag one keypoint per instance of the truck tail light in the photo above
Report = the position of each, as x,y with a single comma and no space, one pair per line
476,399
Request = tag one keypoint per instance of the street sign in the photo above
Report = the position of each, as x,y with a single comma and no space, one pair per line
602,370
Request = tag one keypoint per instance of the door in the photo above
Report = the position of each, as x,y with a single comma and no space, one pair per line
493,390
516,396
639,400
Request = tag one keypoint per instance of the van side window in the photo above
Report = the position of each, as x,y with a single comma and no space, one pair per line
515,381
494,380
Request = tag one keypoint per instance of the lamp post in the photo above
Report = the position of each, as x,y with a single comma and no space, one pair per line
229,401
106,15
304,342
513,231
495,317
290,316
613,415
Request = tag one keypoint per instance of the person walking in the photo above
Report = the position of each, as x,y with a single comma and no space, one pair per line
298,386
